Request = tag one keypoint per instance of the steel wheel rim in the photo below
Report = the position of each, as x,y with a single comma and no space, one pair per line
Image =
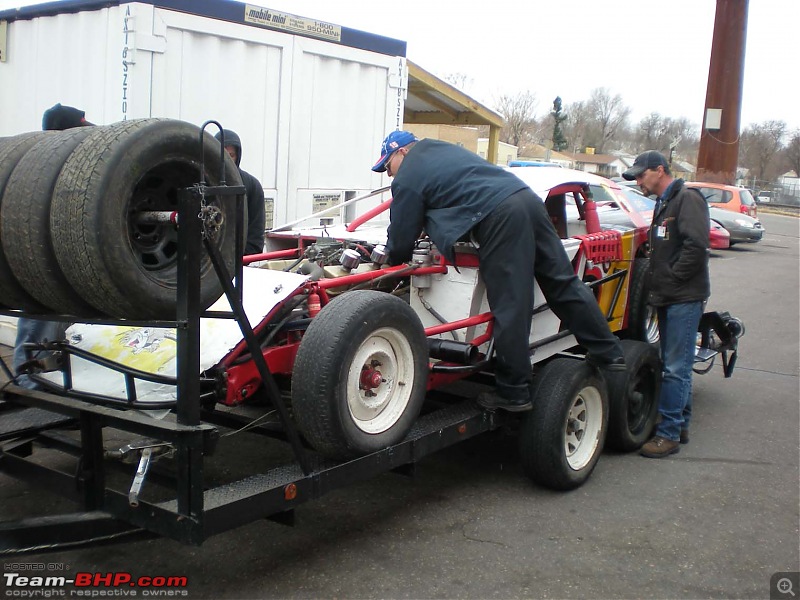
582,428
651,325
387,353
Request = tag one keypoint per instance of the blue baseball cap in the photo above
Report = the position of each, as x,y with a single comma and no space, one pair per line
393,141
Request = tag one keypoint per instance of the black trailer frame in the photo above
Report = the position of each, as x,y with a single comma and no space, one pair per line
195,512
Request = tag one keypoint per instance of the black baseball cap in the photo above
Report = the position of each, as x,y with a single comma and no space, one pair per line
60,117
646,160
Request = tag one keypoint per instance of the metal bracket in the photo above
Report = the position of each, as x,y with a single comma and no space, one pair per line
138,479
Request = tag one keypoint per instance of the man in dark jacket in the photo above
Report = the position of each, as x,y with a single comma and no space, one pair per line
256,213
56,118
453,194
679,286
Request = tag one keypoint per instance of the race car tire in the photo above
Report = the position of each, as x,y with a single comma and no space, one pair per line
25,223
561,439
642,317
122,267
633,396
12,149
360,374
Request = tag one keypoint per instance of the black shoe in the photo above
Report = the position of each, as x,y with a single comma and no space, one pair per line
493,401
616,364
684,436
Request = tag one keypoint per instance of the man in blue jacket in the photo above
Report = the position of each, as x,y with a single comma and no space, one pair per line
679,286
454,194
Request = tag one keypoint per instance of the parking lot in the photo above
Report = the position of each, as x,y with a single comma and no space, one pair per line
715,521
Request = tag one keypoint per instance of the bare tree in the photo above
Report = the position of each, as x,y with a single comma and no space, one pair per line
578,120
759,147
519,114
462,81
608,113
792,153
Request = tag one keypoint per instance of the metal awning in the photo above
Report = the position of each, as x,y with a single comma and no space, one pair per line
432,101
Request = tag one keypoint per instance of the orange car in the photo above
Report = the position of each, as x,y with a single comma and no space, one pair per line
727,197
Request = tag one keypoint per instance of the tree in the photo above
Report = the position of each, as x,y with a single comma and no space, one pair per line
578,121
608,113
759,147
559,141
792,153
461,81
519,115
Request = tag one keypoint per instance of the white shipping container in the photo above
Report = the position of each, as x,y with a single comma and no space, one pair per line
311,108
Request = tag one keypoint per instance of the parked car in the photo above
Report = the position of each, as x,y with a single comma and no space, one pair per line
742,228
727,197
764,196
719,237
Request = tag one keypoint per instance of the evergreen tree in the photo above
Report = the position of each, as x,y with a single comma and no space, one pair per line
559,140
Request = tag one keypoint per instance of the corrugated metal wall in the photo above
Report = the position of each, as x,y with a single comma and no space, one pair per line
311,114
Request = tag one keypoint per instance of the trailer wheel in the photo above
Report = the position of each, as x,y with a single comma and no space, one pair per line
561,439
25,223
119,264
12,149
633,396
642,317
360,375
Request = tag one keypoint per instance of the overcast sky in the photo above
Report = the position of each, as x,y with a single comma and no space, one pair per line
655,54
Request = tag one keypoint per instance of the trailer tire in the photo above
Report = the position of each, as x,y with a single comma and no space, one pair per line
633,396
12,149
357,337
642,317
561,439
119,266
25,223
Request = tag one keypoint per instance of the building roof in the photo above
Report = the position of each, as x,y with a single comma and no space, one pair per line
595,159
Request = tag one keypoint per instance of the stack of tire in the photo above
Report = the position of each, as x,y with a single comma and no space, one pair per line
70,239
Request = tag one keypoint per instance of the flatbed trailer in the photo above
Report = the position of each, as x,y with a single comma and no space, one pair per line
160,480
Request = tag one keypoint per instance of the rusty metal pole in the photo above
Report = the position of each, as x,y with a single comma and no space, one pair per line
718,155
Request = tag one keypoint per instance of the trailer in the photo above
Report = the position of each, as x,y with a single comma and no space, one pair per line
340,382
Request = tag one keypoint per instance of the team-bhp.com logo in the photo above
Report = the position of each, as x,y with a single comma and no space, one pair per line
94,585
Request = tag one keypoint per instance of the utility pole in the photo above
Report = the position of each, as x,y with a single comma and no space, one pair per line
718,155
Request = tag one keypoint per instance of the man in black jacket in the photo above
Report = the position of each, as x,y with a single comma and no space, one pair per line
256,212
679,286
453,194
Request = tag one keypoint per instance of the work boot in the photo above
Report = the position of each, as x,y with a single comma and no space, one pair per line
614,365
659,447
493,401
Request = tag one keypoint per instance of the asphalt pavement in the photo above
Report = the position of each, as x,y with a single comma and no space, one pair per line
717,520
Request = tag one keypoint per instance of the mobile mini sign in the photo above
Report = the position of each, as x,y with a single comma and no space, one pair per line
265,17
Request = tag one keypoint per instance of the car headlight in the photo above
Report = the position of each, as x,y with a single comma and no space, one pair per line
743,223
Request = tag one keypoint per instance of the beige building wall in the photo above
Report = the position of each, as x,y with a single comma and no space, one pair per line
505,152
467,137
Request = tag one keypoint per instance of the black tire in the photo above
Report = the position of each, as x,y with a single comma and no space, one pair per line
25,224
358,332
12,150
123,268
633,397
642,318
561,439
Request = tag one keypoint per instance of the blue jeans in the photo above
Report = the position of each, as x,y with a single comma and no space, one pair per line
31,330
677,326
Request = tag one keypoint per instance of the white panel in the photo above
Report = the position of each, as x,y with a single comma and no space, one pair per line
340,113
63,58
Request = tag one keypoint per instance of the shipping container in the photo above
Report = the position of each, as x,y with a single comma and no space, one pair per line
311,100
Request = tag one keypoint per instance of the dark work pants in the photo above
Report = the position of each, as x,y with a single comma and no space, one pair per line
517,243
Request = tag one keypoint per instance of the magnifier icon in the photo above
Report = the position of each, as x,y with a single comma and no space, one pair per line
784,586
